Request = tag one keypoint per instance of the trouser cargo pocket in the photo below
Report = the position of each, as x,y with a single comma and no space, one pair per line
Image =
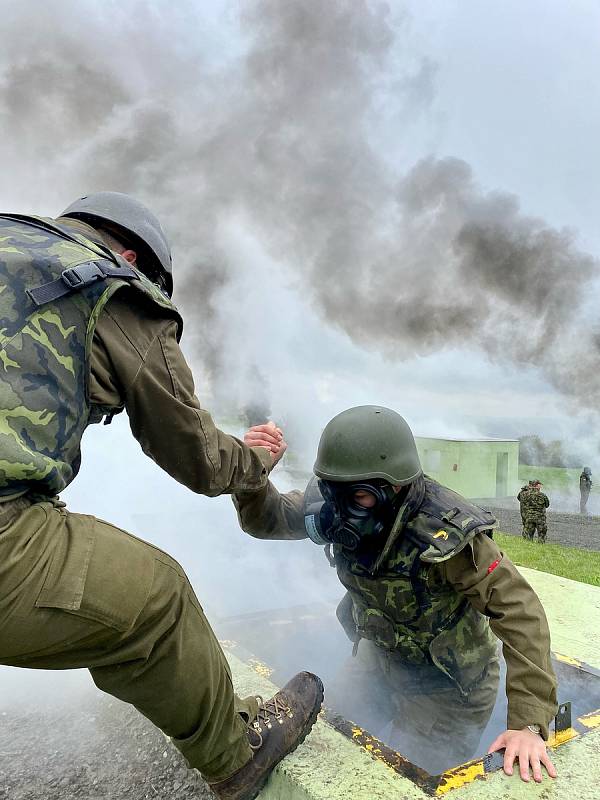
98,572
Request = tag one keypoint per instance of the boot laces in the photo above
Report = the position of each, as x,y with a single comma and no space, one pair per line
270,712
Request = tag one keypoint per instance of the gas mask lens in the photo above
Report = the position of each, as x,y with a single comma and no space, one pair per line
350,513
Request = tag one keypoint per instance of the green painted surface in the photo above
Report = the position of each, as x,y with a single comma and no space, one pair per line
573,611
474,468
327,764
330,767
578,777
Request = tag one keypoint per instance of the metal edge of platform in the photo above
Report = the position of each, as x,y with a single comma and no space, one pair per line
456,777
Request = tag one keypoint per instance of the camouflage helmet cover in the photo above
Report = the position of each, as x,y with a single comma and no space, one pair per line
368,442
132,217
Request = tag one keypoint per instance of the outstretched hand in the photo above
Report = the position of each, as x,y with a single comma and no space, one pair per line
529,748
269,436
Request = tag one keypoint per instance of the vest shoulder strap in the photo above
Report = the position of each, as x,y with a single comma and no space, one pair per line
103,264
446,522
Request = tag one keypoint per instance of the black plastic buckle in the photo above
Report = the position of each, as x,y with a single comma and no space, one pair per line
562,720
81,275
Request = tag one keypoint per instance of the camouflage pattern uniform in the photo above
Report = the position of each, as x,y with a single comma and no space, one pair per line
536,504
521,498
76,591
419,618
403,606
427,659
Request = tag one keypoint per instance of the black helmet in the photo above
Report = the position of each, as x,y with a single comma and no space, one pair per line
138,224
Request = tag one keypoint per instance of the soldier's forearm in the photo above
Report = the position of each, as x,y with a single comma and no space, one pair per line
267,514
494,586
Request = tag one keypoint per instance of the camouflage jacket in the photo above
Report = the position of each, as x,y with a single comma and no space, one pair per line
45,347
521,497
535,505
403,605
585,483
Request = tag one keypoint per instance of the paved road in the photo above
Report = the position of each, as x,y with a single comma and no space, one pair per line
573,530
96,749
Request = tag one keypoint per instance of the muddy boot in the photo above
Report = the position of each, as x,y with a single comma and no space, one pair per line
282,723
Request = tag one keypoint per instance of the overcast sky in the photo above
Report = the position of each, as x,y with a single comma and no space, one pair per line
283,146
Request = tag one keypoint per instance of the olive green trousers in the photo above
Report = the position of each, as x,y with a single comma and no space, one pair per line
77,592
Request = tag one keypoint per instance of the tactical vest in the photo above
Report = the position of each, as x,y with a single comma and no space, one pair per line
54,286
407,608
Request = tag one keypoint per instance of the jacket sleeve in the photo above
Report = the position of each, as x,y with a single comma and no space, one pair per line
267,514
493,585
136,362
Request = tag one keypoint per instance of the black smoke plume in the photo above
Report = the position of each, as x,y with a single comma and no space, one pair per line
278,136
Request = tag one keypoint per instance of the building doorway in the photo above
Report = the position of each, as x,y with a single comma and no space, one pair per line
501,474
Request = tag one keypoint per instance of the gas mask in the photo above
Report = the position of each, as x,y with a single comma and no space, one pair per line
340,519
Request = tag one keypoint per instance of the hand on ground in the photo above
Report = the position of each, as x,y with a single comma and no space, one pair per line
529,748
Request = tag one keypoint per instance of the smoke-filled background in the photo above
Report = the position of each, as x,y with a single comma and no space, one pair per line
368,202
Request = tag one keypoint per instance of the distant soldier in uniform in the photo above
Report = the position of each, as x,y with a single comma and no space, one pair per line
521,497
87,329
427,588
536,504
585,487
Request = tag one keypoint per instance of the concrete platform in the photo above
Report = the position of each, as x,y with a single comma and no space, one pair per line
329,765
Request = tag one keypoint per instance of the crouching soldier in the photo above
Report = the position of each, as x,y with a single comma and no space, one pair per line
427,589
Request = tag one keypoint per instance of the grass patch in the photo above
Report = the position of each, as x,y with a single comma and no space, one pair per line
568,562
555,479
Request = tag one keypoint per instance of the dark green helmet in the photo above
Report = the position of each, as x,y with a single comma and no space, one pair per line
368,442
137,224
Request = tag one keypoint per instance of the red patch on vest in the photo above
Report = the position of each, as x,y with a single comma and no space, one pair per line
493,566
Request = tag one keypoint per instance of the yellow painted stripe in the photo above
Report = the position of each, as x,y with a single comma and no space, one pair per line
591,720
568,660
561,737
260,667
455,778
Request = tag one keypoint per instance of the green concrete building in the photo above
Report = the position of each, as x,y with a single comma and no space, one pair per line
472,467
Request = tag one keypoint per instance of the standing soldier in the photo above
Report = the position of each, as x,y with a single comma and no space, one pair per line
585,487
522,498
87,329
536,504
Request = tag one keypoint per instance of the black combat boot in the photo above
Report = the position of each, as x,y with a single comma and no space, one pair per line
282,723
